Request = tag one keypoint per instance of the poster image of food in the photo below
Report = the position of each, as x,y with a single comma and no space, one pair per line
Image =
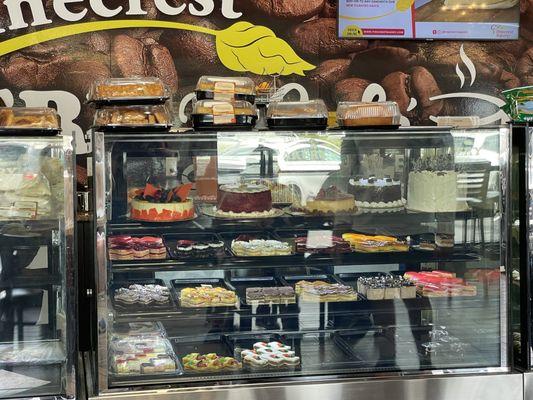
376,18
51,55
431,19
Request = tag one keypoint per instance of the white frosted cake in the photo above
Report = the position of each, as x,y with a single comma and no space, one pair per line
432,185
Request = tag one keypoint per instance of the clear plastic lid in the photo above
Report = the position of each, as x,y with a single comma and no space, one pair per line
297,109
216,107
123,89
368,114
226,87
28,118
133,116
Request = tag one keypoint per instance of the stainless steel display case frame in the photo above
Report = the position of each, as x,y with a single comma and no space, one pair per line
489,383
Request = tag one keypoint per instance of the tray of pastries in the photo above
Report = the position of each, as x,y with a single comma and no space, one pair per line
202,293
127,248
225,88
257,244
440,284
195,246
262,290
267,355
133,118
375,243
320,289
223,115
360,115
27,121
316,242
123,91
141,296
292,115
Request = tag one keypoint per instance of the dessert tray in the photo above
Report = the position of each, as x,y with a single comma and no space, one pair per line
211,211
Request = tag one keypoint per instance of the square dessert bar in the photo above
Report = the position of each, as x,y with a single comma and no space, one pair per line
270,295
320,291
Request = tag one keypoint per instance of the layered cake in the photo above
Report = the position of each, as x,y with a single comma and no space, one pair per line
440,284
192,249
320,291
270,355
207,296
376,192
246,200
329,245
153,204
212,362
330,201
375,243
250,246
270,295
386,287
125,247
432,185
142,295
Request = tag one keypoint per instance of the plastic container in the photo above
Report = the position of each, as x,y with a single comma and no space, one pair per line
297,115
122,91
225,88
132,118
27,121
223,115
357,115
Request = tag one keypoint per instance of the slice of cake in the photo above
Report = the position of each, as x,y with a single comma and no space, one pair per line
331,201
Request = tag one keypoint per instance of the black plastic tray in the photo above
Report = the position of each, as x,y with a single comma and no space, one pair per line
228,238
17,131
139,308
209,95
148,128
179,284
128,101
241,284
298,123
203,122
171,240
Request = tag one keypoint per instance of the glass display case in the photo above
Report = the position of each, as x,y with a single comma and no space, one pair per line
249,257
38,350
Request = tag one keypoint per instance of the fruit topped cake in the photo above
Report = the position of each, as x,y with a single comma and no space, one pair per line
331,201
154,204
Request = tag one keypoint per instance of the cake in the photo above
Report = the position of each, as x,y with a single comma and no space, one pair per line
432,185
250,246
272,355
192,249
207,296
143,295
375,243
29,118
125,247
328,245
330,201
386,287
244,200
133,116
212,362
153,204
360,114
440,284
270,295
376,192
320,291
128,88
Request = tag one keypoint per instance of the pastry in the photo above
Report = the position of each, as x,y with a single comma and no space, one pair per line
128,88
195,362
28,118
192,249
225,88
386,287
330,201
210,114
319,291
271,355
440,284
207,296
244,200
154,204
142,295
125,247
375,192
270,295
297,115
360,114
375,244
249,246
327,245
133,116
432,185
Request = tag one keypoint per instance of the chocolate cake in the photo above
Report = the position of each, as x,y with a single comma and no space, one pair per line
376,193
244,199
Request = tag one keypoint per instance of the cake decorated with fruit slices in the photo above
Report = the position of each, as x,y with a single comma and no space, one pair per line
154,204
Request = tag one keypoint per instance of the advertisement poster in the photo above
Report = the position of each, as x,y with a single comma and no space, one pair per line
429,19
51,52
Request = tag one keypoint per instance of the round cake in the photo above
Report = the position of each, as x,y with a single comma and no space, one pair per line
330,201
154,204
247,199
376,193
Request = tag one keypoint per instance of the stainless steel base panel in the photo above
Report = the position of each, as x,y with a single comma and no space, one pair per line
528,385
466,387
